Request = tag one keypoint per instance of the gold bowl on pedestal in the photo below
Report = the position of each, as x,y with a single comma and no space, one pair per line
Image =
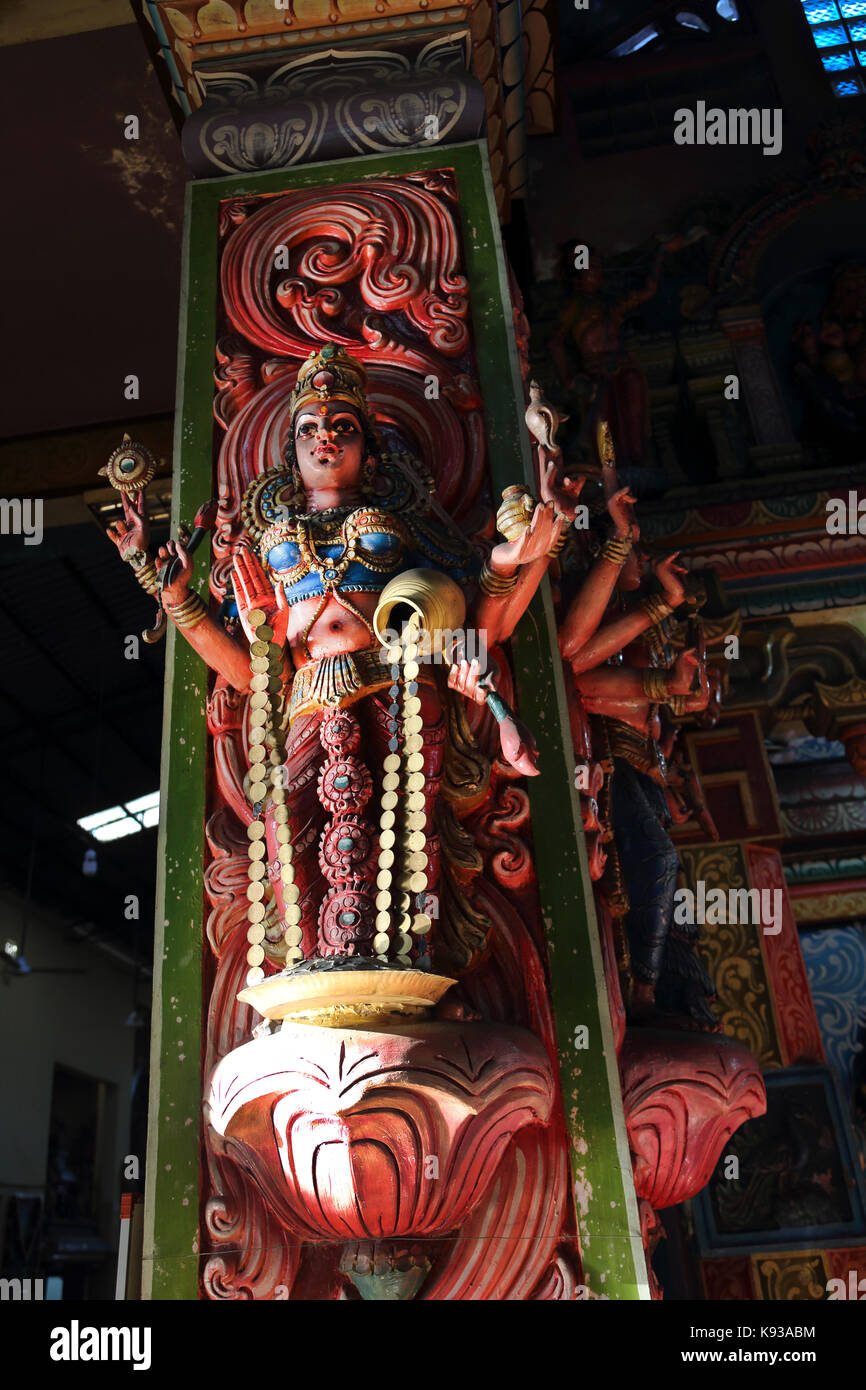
346,998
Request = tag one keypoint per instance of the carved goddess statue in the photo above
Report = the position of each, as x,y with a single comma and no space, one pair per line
342,548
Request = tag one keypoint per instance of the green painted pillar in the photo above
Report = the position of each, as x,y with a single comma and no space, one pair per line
604,1197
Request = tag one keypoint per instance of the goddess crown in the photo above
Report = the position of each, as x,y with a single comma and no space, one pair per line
330,374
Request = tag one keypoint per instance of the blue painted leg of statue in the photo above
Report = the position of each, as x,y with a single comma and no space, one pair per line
649,865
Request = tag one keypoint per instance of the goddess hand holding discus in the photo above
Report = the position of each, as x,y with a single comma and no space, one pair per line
342,551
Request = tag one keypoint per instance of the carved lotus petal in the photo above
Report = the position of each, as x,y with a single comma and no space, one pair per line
352,1134
684,1096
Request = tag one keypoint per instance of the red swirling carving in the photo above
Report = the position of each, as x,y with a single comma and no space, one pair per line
235,379
507,1250
371,250
258,1258
498,829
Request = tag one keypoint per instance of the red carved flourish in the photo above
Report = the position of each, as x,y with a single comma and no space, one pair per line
301,272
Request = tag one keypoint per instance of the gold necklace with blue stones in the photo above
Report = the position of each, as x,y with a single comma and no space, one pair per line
330,571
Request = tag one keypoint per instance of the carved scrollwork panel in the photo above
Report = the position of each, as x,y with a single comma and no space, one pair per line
799,1033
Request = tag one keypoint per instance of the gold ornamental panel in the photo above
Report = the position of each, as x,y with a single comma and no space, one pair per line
731,952
800,1276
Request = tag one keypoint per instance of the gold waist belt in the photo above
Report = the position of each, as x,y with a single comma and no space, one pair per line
637,749
333,682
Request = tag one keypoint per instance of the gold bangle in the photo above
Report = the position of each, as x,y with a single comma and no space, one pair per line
655,685
656,608
495,584
144,570
677,704
616,551
147,577
189,613
557,545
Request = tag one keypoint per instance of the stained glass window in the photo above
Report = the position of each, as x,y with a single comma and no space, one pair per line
837,25
819,13
830,35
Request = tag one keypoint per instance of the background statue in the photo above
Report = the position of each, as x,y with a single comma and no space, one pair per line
588,351
630,667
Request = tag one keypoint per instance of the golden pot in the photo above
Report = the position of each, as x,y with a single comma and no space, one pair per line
515,513
436,600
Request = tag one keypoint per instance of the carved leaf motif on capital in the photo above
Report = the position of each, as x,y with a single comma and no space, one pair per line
262,144
684,1097
395,119
335,1125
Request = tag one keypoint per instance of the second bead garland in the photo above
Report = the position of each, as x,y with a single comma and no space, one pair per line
402,876
266,775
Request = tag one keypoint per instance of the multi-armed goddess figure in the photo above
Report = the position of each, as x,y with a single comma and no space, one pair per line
341,544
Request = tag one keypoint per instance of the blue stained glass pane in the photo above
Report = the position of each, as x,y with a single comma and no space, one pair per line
819,11
857,32
846,87
861,57
830,35
837,62
853,9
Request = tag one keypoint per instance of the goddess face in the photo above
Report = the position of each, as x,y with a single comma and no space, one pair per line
329,444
